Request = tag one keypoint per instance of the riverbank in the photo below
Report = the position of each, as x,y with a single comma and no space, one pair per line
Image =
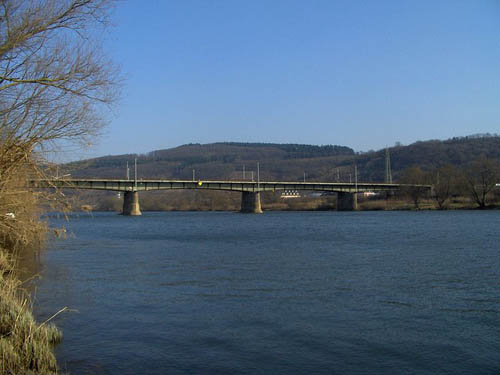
303,204
26,347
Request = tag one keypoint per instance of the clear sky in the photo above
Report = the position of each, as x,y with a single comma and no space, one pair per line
364,74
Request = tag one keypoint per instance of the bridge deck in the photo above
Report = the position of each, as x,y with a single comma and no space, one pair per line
250,186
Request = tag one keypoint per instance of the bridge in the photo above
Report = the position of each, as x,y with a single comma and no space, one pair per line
250,190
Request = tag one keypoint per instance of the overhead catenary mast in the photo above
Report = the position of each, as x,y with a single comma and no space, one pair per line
135,176
258,176
388,173
356,176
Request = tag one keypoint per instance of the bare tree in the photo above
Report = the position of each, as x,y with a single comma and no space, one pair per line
54,81
479,179
444,181
53,76
412,177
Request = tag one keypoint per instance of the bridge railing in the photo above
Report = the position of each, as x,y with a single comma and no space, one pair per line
251,186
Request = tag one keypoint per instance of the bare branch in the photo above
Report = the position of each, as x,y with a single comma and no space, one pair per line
55,84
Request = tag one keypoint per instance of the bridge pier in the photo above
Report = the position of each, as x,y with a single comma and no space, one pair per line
131,204
347,201
250,202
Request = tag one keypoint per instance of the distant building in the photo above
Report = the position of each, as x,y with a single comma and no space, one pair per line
290,194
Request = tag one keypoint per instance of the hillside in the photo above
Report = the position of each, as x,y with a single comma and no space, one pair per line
220,161
288,161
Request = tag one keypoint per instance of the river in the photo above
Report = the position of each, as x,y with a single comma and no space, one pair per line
278,293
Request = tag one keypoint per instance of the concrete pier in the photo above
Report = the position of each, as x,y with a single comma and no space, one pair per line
347,201
250,203
131,204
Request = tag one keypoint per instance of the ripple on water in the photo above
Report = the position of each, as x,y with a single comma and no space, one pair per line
281,293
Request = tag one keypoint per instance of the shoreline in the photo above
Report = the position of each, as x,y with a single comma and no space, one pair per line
27,346
306,209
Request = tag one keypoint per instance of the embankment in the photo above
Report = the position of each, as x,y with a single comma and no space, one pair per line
26,347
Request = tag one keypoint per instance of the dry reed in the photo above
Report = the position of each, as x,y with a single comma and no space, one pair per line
26,347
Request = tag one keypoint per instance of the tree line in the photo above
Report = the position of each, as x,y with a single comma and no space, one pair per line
476,180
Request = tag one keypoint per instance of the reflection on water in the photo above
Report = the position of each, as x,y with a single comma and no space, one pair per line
28,266
318,292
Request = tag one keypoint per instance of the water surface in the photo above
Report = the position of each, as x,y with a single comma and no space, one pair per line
280,293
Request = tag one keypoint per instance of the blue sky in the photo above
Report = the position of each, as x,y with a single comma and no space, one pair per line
364,74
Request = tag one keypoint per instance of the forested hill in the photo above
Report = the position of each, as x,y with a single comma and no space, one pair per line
288,161
219,161
428,155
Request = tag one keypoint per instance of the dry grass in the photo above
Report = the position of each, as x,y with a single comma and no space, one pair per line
26,347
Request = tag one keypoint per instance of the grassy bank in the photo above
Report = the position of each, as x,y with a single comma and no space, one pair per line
26,347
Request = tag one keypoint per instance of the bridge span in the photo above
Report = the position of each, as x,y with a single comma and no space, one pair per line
250,198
